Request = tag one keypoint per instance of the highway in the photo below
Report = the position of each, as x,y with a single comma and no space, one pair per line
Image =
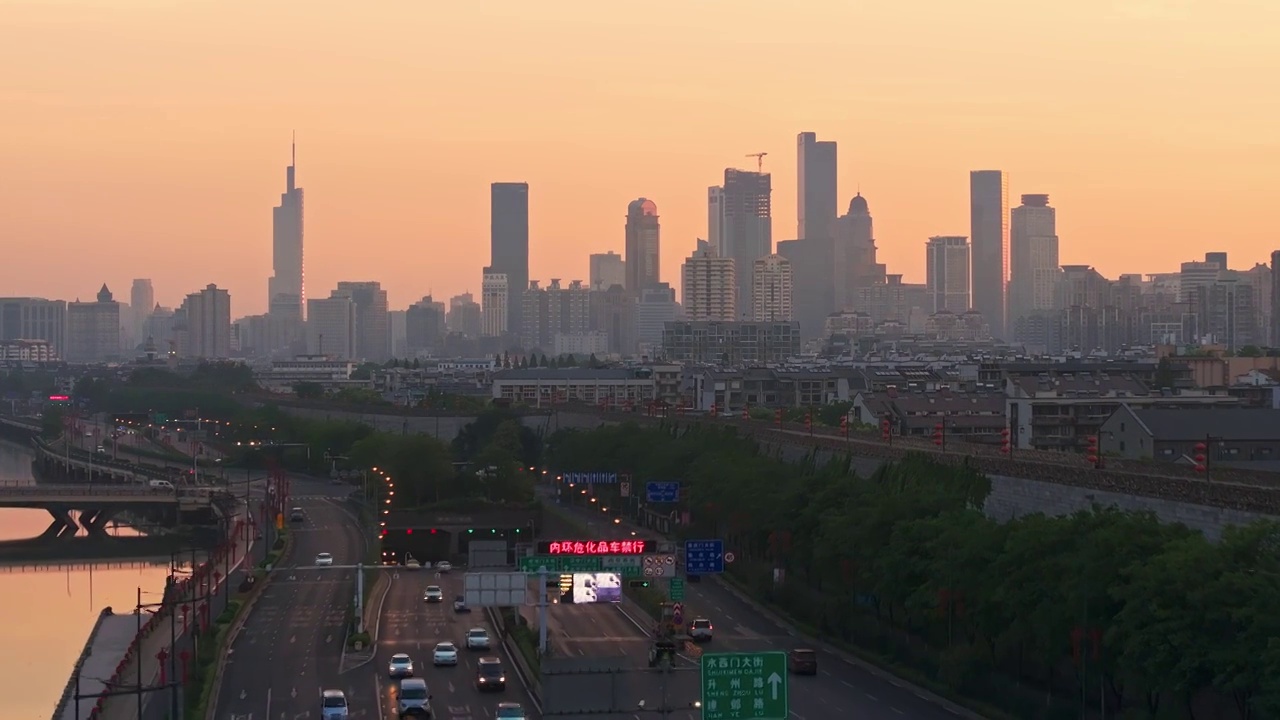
409,625
841,688
290,646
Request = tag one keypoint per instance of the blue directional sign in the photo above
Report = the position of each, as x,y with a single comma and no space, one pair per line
662,492
592,478
703,557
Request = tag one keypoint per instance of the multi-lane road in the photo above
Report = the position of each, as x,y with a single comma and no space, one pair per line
290,648
842,688
407,624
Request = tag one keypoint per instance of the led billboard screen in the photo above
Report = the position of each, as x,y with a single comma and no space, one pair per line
597,587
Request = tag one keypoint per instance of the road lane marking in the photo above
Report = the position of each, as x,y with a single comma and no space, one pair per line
871,697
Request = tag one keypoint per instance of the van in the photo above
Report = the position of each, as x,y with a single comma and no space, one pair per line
161,485
414,700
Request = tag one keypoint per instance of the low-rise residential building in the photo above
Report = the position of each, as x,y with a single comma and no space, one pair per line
730,343
27,351
282,375
1239,436
545,387
972,417
1061,410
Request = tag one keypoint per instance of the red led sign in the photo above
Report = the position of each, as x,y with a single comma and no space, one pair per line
591,547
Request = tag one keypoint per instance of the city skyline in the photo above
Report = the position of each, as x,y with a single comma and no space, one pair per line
1127,170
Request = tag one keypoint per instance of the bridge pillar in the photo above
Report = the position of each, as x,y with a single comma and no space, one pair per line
62,526
95,521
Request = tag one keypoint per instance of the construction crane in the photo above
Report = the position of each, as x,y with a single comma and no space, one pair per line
759,160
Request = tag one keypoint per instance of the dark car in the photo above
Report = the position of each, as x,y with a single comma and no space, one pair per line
490,675
802,662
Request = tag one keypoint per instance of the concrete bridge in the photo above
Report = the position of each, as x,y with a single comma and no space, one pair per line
23,424
76,465
95,505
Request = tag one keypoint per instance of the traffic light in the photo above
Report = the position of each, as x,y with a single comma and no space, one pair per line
470,531
1201,457
638,583
1091,452
1005,446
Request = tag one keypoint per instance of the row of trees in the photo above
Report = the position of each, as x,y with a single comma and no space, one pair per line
1040,617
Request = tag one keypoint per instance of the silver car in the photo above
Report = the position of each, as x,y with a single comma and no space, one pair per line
401,666
477,639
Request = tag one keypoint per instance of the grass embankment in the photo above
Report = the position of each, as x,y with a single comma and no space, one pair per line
524,637
212,645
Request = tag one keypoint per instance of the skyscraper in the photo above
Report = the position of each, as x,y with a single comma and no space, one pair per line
331,327
820,277
643,248
947,261
771,289
816,186
989,232
715,219
142,300
286,289
748,224
93,329
708,285
509,245
854,257
607,269
373,326
1275,299
1033,257
495,303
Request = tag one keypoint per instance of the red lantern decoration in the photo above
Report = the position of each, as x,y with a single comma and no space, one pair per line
161,656
184,656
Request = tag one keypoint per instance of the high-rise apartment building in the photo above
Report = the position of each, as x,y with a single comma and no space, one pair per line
613,312
1033,257
715,220
509,245
34,319
286,288
424,327
643,246
93,329
1196,274
1275,299
771,289
709,286
748,224
495,303
142,300
464,315
552,312
607,269
331,327
208,328
989,234
373,326
656,308
947,276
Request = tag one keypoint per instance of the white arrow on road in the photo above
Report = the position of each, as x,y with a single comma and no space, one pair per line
243,694
294,693
774,681
328,638
293,639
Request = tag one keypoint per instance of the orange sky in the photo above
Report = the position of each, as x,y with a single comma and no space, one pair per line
148,138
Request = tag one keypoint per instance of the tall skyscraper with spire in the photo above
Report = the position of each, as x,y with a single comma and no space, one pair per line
286,288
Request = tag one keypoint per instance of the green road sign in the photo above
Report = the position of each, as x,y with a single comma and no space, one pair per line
677,589
744,686
573,564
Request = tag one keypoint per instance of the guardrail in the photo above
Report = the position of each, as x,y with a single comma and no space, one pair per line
532,684
14,488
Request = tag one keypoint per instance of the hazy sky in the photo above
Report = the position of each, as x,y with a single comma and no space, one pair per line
148,138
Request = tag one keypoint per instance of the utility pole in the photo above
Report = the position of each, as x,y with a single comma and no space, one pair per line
542,610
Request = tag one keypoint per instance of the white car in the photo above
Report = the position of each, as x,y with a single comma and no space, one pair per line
401,666
444,566
324,560
446,653
511,711
477,639
433,594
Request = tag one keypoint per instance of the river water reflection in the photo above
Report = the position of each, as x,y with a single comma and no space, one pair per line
49,611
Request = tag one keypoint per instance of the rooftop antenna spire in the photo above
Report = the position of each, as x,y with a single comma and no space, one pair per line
293,149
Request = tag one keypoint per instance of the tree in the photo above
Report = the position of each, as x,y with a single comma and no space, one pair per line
308,390
542,360
1249,351
506,360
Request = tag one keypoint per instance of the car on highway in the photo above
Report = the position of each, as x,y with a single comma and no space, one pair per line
411,564
333,705
295,515
700,630
509,711
490,675
324,560
413,698
444,566
460,604
477,639
802,661
446,653
433,594
401,666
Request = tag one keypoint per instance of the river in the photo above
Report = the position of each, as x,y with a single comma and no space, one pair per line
49,610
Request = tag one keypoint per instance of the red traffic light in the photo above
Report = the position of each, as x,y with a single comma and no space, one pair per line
409,531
